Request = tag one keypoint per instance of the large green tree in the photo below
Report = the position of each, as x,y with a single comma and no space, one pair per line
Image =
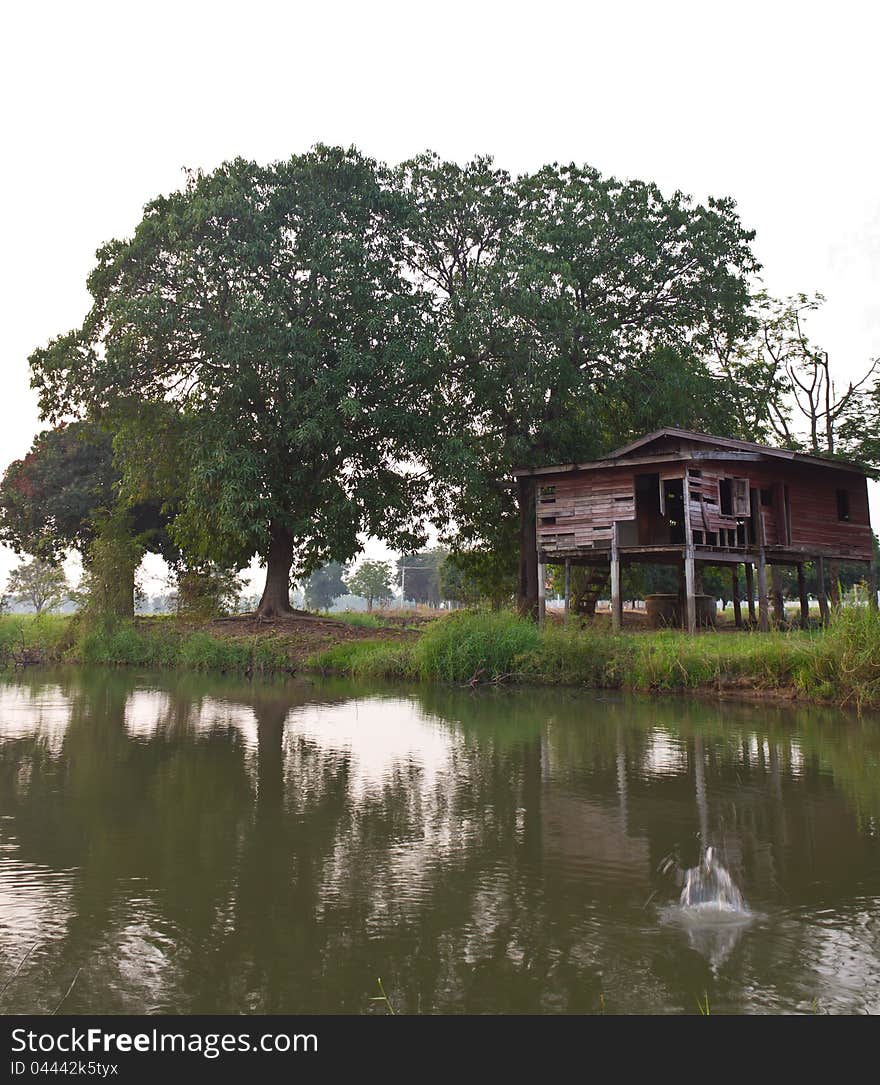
267,306
65,494
573,312
49,498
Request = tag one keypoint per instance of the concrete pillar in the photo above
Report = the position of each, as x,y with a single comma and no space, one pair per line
802,595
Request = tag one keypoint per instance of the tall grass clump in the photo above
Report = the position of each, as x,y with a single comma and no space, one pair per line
669,660
579,657
844,661
486,645
365,659
22,635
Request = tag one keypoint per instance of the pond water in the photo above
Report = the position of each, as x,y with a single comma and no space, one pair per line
192,844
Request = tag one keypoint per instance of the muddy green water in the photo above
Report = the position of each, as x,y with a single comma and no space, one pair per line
191,844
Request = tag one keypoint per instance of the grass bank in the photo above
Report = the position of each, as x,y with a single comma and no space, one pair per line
840,664
154,642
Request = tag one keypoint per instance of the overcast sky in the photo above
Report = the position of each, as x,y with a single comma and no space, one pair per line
774,104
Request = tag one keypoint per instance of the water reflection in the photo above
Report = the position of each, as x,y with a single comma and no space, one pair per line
196,844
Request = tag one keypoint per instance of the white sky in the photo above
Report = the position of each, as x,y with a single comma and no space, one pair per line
773,104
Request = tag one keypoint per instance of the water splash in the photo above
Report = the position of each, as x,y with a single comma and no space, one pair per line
709,886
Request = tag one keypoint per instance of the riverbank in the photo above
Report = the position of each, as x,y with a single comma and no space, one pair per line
839,665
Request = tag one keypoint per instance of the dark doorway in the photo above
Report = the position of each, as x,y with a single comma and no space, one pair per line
673,503
652,528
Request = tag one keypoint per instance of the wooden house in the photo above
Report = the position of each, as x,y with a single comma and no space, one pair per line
687,498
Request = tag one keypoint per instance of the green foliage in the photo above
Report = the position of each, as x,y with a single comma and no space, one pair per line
421,575
38,584
108,585
455,584
480,574
325,586
372,581
49,499
206,590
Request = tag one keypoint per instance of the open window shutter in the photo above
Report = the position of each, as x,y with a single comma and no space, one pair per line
741,497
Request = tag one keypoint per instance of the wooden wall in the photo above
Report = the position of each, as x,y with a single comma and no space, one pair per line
576,510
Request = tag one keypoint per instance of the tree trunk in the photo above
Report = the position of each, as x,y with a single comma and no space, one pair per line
276,594
528,549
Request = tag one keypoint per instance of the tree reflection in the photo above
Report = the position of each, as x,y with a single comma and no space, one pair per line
229,847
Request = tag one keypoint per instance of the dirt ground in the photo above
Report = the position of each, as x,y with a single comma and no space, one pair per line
305,634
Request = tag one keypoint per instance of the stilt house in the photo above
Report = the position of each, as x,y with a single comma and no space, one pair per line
686,498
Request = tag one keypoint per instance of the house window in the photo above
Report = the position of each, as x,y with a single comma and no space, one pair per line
767,498
843,505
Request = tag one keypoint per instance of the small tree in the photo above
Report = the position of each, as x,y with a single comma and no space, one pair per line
36,582
325,585
205,590
372,581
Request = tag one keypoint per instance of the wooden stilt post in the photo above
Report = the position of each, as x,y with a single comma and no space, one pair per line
802,595
542,591
567,587
763,601
737,605
616,601
690,598
871,581
750,591
776,594
834,584
821,594
690,574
